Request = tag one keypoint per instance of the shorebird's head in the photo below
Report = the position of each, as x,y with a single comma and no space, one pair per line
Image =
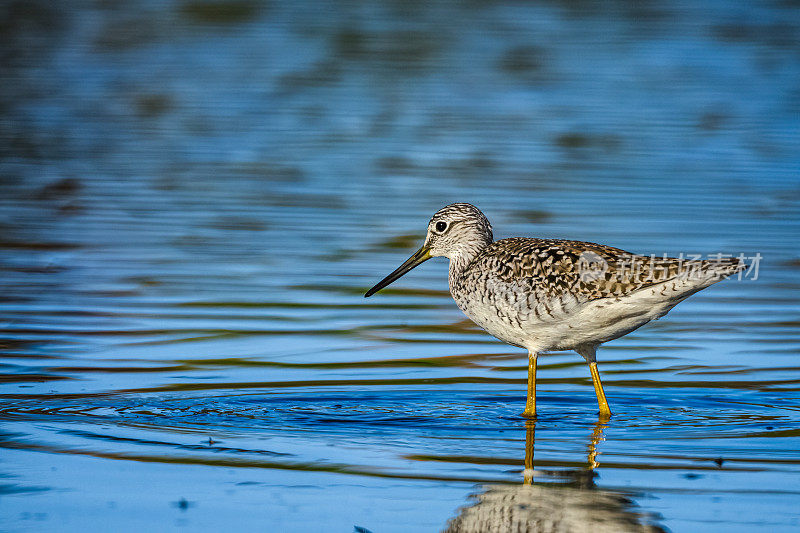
456,231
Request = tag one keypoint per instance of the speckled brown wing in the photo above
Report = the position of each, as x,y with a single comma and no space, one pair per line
550,268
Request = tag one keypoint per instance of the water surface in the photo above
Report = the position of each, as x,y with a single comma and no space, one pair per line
194,197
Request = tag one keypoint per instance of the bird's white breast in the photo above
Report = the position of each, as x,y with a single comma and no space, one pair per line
516,317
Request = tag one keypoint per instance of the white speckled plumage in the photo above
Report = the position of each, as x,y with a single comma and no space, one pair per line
545,294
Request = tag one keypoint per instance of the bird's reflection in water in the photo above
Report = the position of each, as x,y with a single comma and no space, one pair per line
574,506
579,478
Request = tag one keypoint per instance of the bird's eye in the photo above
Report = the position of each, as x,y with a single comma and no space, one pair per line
441,226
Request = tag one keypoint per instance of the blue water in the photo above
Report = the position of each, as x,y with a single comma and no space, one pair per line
194,197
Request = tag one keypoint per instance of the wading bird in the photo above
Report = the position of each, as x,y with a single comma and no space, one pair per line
547,294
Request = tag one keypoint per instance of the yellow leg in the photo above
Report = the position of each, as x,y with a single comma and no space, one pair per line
530,404
605,412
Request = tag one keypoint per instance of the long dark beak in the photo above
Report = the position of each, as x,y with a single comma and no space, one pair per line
419,257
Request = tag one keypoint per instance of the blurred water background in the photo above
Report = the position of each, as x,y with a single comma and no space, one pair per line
194,196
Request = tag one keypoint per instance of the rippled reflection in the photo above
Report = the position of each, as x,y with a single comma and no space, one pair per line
576,505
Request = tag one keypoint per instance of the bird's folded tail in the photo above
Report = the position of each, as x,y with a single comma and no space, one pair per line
714,269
